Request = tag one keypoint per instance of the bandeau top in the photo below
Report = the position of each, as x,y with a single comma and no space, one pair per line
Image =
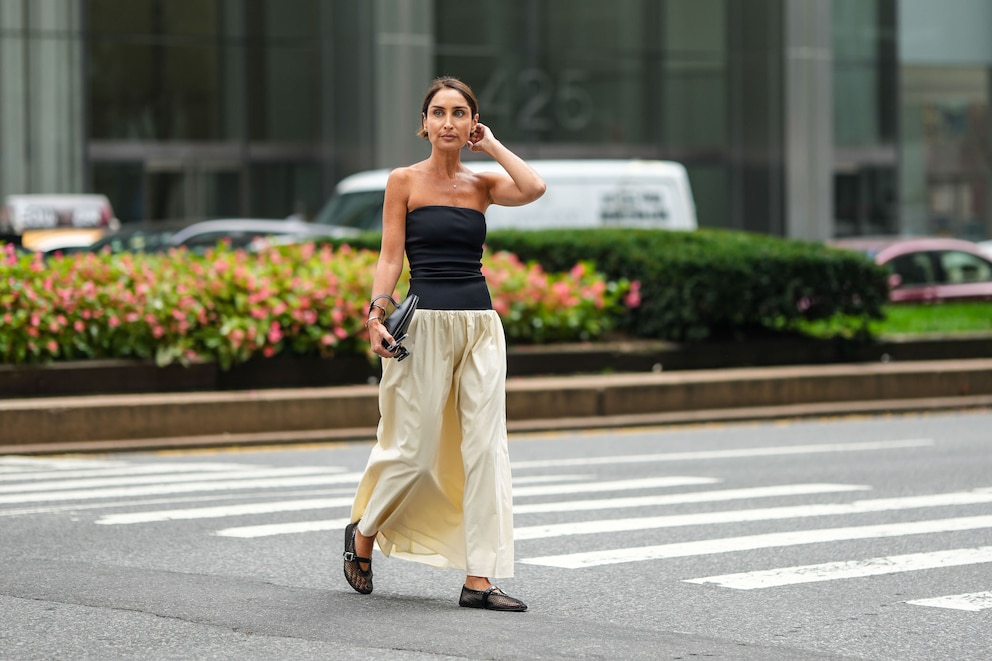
444,246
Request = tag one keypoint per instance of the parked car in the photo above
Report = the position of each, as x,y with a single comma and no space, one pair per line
22,213
252,233
929,269
245,233
151,237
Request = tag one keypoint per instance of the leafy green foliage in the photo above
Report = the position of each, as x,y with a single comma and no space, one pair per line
715,283
917,319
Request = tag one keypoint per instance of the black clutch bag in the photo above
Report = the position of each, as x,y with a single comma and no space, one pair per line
397,324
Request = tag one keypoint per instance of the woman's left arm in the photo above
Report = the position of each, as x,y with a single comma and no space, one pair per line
524,185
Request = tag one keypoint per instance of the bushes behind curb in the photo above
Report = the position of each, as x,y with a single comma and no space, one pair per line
716,283
711,283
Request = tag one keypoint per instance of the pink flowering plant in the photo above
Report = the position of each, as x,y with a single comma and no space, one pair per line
230,305
540,307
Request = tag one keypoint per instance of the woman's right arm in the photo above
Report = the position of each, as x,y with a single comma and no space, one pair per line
390,264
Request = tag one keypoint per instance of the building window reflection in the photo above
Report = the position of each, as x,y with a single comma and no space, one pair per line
198,94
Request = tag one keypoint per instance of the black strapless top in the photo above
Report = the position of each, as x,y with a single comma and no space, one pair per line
444,247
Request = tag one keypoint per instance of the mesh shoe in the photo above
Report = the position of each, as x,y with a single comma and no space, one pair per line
358,578
492,599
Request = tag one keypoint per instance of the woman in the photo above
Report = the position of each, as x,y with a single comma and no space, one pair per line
437,486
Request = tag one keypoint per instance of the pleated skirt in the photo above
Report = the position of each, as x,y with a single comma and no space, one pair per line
437,488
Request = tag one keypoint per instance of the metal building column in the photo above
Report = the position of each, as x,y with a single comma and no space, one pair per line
41,97
403,67
808,99
13,111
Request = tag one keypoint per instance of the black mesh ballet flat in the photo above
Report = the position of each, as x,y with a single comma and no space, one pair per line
358,578
492,599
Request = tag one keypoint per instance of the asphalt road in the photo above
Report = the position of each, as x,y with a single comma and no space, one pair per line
859,538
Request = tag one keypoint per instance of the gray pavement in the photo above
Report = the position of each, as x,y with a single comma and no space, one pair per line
853,537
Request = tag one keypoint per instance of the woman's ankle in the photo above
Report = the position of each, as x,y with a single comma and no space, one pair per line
477,583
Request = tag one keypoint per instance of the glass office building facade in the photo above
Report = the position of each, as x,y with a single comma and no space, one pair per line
803,118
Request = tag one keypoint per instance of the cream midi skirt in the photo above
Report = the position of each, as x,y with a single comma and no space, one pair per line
437,486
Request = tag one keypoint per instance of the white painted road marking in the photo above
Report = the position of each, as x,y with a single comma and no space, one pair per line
974,601
619,485
615,485
216,485
742,453
766,514
753,542
689,497
99,483
271,529
223,511
832,571
12,475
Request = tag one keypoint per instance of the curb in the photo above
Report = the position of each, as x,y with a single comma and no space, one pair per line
121,377
213,419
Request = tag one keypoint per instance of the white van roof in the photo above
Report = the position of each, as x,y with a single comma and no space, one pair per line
555,169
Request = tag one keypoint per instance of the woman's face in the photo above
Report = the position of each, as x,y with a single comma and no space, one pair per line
449,119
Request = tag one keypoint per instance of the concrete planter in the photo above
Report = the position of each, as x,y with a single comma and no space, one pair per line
132,377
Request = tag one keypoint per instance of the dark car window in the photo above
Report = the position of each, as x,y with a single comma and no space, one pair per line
138,241
235,238
962,267
914,269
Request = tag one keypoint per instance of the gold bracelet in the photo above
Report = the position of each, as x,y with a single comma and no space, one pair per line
369,320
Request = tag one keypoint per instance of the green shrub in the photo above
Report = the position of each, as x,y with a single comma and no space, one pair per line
715,283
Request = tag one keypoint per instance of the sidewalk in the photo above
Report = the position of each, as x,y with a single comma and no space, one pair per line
124,422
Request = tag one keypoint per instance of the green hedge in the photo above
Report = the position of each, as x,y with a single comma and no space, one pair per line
715,283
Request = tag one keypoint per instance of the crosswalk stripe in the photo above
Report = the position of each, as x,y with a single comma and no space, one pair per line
545,479
139,469
313,526
684,498
832,571
615,485
558,530
145,502
271,529
34,463
725,454
753,542
606,503
159,489
223,511
974,601
72,485
762,514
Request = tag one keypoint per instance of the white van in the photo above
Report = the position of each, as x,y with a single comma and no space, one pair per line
581,193
22,213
